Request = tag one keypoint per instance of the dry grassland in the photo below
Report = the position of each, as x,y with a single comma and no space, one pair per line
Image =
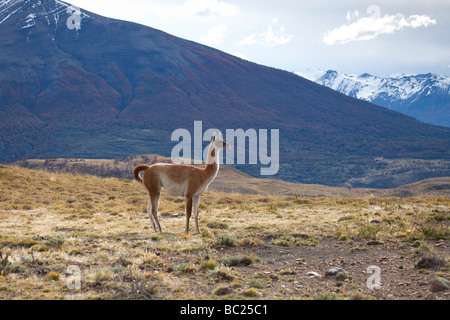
250,246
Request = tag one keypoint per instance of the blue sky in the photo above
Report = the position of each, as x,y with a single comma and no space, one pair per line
378,37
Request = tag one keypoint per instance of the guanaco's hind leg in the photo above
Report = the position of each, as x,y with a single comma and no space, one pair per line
150,215
152,210
188,212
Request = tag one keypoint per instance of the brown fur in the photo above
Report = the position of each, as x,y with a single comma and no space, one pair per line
181,180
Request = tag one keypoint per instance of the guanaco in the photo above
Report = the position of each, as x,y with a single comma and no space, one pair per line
180,180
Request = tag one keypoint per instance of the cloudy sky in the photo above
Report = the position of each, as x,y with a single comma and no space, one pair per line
353,37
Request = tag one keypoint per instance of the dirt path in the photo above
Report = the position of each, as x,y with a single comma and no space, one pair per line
298,272
398,275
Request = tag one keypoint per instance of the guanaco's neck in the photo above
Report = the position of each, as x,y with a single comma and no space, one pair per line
212,162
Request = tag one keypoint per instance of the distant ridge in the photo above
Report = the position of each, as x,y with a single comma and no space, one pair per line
234,181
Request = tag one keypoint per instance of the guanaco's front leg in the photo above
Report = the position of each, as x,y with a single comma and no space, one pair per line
196,201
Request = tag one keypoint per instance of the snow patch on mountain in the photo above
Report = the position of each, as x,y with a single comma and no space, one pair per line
368,87
8,8
49,10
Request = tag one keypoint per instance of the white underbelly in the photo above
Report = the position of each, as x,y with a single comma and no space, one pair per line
175,189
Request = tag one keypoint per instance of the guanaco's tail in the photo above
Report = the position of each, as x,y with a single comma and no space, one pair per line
137,170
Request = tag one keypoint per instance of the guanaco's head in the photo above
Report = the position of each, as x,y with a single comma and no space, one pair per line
218,143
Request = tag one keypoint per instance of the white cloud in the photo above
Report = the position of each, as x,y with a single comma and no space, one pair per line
268,38
209,7
368,28
417,21
249,40
142,10
352,15
190,8
214,36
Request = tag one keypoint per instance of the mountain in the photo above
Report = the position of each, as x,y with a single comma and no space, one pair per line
76,84
425,97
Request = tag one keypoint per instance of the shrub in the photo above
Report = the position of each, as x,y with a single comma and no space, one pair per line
5,265
435,233
102,275
217,225
222,275
141,287
255,284
288,272
211,265
221,291
54,242
150,259
179,267
190,268
53,276
284,241
225,241
369,232
252,242
251,292
342,276
237,261
432,262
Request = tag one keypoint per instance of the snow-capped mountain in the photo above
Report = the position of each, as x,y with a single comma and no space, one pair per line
425,97
51,11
